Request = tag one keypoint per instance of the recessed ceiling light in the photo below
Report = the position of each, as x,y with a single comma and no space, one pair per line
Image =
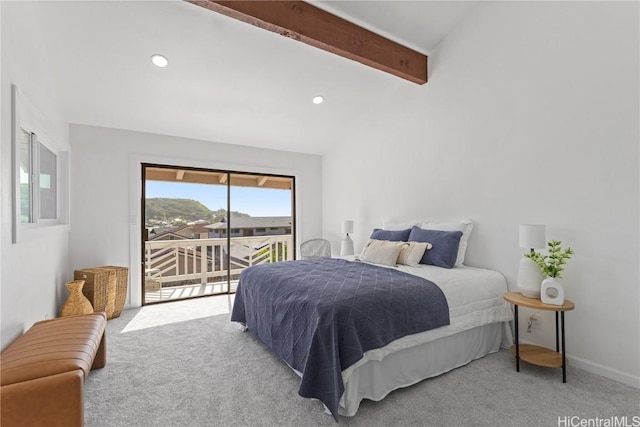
318,100
159,60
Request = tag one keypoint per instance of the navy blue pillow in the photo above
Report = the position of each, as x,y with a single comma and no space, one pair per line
445,246
391,235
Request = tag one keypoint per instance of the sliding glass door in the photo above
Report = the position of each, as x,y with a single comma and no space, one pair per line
260,222
203,227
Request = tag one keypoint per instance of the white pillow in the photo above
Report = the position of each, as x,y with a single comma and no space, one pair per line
465,226
381,251
397,226
411,252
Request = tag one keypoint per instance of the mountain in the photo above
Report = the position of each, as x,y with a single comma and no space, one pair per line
221,215
165,209
161,209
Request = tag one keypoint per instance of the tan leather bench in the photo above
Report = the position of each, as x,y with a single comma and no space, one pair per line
42,373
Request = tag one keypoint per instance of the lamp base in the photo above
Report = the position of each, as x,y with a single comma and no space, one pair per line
529,278
346,248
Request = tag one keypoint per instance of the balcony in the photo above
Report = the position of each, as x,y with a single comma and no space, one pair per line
186,268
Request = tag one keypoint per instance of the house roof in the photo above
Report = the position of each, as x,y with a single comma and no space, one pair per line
254,222
165,232
200,228
196,228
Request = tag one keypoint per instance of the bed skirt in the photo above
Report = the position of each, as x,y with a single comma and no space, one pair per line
376,378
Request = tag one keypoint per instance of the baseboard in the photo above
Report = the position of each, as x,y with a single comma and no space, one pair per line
599,369
605,371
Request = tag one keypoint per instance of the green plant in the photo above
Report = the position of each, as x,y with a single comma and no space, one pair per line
553,263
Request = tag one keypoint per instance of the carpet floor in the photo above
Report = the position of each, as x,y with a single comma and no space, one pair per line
186,364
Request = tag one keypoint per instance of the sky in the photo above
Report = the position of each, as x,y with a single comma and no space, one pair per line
249,200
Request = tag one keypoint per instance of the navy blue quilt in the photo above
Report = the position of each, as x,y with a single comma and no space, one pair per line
322,315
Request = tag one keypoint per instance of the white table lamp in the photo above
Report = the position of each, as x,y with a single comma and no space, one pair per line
532,236
347,244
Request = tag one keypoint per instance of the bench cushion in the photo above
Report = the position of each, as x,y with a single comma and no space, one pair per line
53,347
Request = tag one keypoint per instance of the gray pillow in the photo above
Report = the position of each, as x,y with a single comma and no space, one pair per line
444,251
391,235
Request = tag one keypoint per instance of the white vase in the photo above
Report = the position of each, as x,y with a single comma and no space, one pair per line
552,291
529,278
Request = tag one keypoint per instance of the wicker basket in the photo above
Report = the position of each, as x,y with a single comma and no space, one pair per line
122,284
99,288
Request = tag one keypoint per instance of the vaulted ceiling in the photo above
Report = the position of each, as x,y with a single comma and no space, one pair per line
227,81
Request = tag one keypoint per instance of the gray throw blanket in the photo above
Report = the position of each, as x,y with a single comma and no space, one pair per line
322,315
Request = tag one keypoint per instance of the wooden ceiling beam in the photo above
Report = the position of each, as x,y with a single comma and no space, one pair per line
306,23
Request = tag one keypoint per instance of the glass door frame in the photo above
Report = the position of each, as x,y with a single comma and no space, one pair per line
229,173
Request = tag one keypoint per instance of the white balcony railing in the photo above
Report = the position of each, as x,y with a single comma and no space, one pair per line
205,260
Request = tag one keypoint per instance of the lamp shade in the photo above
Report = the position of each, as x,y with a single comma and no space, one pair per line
533,236
347,227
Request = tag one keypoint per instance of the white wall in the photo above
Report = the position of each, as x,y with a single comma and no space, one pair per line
530,116
105,191
33,272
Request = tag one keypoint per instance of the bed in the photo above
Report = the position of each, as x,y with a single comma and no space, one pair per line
270,303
